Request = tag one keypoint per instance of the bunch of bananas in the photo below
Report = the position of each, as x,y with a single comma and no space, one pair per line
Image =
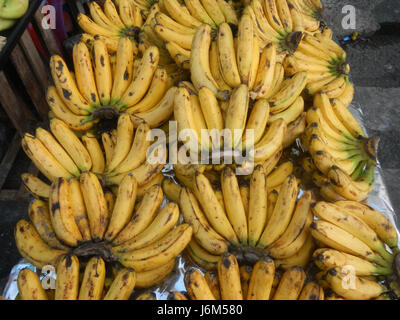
325,63
262,281
101,88
84,220
11,11
61,153
111,23
353,240
248,221
344,160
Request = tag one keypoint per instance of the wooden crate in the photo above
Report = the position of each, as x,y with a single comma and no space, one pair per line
23,83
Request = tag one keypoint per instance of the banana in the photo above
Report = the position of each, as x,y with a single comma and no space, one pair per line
61,111
149,278
159,252
171,190
312,291
266,31
291,113
197,10
78,208
343,184
257,121
126,12
110,199
352,224
156,116
229,278
199,62
201,256
276,177
92,145
233,204
142,78
272,14
261,280
100,18
165,21
62,214
102,71
157,89
204,234
288,92
257,211
112,14
147,296
108,145
265,72
227,55
228,12
91,27
212,115
95,203
159,227
31,246
245,274
182,39
56,150
291,284
285,16
124,139
236,115
124,69
294,130
215,69
282,213
84,74
181,14
297,231
270,142
71,143
339,239
29,286
271,200
67,282
326,258
66,87
40,217
181,56
197,286
143,216
123,207
35,186
42,158
296,16
137,152
375,220
347,95
348,120
270,163
122,285
219,220
93,280
364,289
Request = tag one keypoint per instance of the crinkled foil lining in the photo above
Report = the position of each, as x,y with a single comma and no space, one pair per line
378,199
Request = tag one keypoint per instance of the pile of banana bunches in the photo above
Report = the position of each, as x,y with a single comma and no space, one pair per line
294,225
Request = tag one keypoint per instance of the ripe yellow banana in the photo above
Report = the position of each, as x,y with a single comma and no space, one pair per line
61,213
229,278
110,10
261,280
197,10
291,284
42,158
92,145
40,217
122,285
301,258
199,62
245,274
29,286
215,70
257,212
93,280
67,282
31,246
282,213
159,252
257,121
149,278
197,286
181,14
312,291
143,216
245,48
79,209
201,257
71,143
102,71
35,186
95,203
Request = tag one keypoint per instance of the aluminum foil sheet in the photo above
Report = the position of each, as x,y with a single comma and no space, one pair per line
378,199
